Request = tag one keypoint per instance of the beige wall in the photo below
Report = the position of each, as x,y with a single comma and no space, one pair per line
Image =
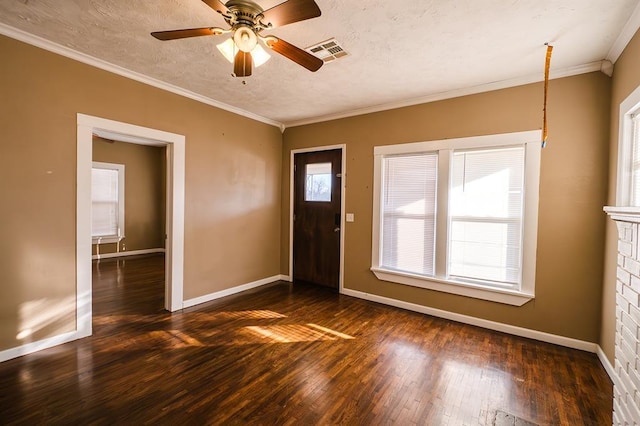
236,222
144,192
626,78
572,192
232,189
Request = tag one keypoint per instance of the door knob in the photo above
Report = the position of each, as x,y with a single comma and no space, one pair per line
336,229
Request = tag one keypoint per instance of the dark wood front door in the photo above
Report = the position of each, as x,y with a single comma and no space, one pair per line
316,217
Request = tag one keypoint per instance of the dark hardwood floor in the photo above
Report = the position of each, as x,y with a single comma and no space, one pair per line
292,354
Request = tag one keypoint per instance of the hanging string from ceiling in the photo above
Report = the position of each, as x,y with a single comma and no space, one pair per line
547,65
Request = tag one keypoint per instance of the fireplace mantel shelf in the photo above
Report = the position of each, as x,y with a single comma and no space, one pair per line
623,214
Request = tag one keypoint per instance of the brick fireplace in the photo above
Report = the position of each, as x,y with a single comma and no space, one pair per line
626,390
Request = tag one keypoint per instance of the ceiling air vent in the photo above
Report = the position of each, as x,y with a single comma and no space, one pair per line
328,50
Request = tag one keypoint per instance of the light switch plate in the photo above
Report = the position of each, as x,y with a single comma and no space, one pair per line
349,217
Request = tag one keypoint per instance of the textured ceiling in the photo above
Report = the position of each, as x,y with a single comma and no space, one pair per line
399,50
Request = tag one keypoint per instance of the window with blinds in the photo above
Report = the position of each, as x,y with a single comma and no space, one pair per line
107,202
635,160
409,204
459,215
485,215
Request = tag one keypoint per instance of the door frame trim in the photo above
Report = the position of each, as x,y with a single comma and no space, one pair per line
175,171
343,149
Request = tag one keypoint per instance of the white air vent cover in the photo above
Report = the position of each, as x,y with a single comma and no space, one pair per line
327,50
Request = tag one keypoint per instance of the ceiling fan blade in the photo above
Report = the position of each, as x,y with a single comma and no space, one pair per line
297,55
190,32
242,64
291,11
216,5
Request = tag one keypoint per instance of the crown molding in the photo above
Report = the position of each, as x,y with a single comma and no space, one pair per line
50,46
488,87
627,33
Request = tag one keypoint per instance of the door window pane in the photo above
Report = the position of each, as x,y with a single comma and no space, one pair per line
318,182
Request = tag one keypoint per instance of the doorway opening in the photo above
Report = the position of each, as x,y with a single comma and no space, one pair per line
175,153
317,215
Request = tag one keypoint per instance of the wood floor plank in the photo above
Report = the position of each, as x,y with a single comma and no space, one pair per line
291,354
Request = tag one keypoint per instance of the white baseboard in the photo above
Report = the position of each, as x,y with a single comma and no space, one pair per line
611,371
78,334
229,291
40,345
465,319
127,253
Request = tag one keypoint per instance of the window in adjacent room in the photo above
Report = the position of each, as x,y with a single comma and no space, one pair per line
107,202
459,215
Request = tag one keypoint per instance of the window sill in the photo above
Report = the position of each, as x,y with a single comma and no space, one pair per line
106,239
509,297
623,214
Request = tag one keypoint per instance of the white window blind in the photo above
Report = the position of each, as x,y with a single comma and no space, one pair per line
107,201
409,205
635,161
485,214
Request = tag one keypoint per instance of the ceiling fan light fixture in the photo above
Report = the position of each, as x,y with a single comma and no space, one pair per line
229,49
246,20
259,55
245,39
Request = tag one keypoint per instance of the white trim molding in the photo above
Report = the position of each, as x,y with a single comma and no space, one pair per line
67,52
509,297
50,46
343,191
479,322
29,348
433,97
233,290
127,253
496,326
175,144
606,364
625,36
630,105
623,214
521,292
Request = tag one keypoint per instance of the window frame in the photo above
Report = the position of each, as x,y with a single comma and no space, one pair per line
628,107
106,239
531,140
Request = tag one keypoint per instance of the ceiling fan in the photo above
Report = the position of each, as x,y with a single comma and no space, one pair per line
247,20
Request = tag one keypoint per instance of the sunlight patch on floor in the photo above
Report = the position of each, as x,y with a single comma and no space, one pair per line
175,338
329,331
295,333
256,314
